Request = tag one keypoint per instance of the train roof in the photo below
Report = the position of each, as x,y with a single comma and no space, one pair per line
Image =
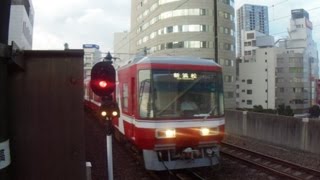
173,60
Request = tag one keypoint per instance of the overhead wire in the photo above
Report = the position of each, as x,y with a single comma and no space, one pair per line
184,2
273,5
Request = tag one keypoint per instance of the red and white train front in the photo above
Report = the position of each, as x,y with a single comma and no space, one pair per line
170,133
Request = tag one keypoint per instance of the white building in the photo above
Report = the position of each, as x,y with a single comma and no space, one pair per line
256,71
21,24
121,44
92,55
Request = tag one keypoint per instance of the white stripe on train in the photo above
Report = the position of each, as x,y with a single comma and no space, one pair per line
173,124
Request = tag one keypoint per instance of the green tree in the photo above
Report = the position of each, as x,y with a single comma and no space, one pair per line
314,111
257,108
285,110
281,109
288,111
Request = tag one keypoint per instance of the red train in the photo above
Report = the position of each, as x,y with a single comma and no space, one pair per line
172,109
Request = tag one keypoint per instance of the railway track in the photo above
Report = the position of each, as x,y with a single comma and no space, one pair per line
189,175
185,174
276,166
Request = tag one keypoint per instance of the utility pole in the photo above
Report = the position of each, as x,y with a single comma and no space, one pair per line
215,9
5,158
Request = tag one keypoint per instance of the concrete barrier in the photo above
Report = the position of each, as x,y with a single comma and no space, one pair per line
301,134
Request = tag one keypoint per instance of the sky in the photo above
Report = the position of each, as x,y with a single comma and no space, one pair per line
79,22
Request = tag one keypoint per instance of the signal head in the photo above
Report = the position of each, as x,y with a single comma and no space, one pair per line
103,76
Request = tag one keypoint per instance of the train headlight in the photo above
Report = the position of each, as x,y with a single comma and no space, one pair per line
204,131
165,133
103,113
114,113
209,131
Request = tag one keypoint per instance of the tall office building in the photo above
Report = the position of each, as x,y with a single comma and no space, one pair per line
92,55
251,17
298,64
186,28
21,23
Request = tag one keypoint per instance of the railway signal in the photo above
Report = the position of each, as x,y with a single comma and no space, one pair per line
109,109
103,77
103,82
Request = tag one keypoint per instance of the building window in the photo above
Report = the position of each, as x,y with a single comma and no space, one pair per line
227,46
247,53
280,60
203,12
230,94
295,69
249,102
249,91
249,81
254,43
279,70
228,78
178,44
169,29
247,43
169,45
228,62
221,29
250,35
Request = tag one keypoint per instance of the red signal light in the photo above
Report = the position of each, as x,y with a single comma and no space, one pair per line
103,84
103,77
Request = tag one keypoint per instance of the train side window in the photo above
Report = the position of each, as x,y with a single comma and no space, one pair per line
125,95
145,96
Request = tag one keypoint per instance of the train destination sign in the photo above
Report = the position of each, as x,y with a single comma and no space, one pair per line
185,76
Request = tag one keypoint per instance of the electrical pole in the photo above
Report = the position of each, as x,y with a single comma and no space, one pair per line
5,158
216,45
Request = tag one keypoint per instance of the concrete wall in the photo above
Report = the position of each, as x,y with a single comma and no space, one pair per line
300,134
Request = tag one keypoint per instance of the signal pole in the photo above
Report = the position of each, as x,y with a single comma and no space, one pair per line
5,158
103,84
108,124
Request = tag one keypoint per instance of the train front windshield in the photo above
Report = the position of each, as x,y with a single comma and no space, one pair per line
180,94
